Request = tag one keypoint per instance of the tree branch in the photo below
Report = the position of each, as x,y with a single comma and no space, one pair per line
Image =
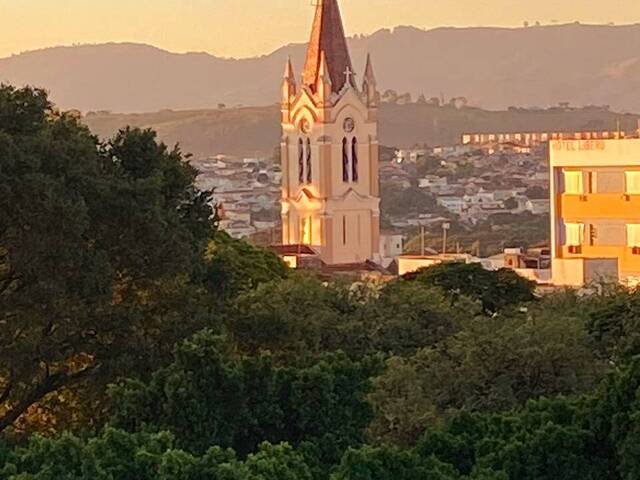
49,385
7,389
7,282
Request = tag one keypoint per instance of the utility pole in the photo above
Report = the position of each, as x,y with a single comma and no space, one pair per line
422,246
445,228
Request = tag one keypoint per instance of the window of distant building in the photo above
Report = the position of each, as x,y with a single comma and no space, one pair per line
608,182
633,183
575,234
633,235
607,234
573,182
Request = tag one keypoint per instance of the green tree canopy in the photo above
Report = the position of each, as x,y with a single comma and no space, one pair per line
491,364
207,397
496,290
90,236
234,267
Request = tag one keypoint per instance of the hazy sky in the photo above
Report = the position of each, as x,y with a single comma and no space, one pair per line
251,27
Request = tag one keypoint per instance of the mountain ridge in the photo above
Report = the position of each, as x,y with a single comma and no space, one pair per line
255,131
494,67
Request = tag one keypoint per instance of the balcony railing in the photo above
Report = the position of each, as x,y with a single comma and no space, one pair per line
599,205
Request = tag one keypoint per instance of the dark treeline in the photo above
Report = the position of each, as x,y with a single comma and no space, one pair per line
139,342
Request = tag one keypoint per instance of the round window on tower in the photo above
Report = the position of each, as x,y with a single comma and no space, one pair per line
349,125
305,126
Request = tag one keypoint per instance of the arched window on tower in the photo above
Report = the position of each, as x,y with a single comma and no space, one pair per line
300,161
309,171
345,160
354,160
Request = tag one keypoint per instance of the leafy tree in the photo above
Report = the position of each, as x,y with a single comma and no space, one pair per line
91,237
547,439
409,316
496,290
511,203
490,365
277,462
206,397
294,317
398,201
614,324
403,409
234,266
390,463
117,454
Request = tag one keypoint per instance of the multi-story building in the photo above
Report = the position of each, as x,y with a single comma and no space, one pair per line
595,211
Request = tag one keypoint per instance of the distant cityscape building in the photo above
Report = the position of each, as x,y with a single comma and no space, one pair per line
330,191
595,211
535,138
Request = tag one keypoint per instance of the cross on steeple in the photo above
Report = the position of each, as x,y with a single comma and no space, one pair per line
348,74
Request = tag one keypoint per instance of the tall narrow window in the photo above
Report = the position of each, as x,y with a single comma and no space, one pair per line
309,171
344,229
354,160
345,160
300,161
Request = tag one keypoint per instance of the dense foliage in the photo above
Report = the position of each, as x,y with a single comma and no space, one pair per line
137,342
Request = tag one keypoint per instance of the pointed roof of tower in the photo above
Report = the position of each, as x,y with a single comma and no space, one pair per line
288,71
369,75
328,36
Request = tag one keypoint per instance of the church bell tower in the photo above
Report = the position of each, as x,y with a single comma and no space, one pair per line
330,192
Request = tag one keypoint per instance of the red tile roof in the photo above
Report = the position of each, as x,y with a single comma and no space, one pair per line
292,250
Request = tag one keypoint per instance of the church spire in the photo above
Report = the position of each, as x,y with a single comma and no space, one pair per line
324,85
328,37
369,76
288,83
369,84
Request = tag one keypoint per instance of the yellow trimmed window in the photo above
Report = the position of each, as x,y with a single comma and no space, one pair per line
575,234
633,183
573,182
633,235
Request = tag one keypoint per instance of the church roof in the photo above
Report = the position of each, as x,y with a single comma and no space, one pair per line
327,36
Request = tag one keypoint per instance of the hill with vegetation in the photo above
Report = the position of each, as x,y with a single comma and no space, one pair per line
492,67
252,131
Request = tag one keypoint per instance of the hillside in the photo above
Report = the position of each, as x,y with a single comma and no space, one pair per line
255,130
493,67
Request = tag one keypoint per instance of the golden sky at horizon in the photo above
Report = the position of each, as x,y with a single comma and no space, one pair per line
242,28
